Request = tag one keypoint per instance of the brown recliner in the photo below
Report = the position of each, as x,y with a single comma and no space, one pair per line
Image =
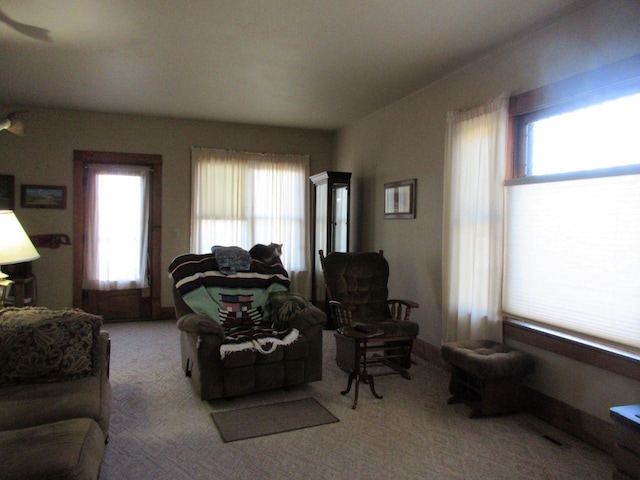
356,284
246,371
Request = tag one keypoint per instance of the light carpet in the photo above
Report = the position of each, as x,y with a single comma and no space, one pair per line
161,430
251,422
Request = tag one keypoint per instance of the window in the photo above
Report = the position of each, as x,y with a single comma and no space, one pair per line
243,198
572,243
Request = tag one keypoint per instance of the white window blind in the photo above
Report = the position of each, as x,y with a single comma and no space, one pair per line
572,255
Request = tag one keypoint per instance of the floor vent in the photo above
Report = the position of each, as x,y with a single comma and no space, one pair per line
544,434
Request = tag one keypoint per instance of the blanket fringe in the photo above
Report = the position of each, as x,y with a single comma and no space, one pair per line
265,345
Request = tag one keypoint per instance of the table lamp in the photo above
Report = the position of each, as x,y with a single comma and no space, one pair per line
15,245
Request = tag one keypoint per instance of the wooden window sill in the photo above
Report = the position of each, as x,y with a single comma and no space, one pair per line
590,352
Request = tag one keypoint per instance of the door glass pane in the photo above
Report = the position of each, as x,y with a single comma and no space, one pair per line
117,230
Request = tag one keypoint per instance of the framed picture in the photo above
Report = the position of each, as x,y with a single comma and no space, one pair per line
400,199
43,196
7,192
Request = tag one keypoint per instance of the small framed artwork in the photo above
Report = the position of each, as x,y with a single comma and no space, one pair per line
7,192
400,199
43,196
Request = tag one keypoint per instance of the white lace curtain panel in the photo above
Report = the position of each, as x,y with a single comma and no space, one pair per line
244,198
116,227
475,162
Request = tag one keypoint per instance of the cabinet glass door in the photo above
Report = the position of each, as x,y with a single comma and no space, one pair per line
330,223
340,210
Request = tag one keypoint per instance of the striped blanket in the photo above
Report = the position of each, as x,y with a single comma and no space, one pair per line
236,301
193,271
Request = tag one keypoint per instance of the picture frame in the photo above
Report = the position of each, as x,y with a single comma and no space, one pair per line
7,192
400,199
43,196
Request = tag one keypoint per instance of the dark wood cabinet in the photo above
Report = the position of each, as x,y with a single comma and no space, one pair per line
330,223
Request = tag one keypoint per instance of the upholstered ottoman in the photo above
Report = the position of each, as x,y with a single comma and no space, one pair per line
69,449
487,375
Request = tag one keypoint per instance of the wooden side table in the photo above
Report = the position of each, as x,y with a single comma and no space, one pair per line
359,372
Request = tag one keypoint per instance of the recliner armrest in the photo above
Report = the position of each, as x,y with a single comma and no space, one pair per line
200,324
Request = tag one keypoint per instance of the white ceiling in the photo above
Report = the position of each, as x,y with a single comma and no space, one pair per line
302,63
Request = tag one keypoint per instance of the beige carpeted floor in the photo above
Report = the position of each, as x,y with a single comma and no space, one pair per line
161,430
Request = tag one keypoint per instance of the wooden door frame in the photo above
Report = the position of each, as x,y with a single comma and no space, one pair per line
82,158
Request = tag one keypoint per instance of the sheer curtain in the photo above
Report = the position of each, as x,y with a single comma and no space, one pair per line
117,227
244,198
475,163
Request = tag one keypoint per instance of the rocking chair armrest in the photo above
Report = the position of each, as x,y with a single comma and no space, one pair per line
401,309
342,306
407,303
201,325
342,312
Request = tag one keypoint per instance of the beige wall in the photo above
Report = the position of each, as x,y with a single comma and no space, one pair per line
406,140
45,156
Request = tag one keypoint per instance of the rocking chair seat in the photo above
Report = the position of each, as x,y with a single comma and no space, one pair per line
392,328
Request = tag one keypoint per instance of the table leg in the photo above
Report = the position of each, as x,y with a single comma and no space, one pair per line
368,378
359,372
352,375
358,359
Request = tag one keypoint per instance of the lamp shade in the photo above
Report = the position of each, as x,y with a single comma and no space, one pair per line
15,245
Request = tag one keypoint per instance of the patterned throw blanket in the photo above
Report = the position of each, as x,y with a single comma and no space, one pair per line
236,301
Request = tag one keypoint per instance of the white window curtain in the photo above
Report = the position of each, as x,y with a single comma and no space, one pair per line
117,223
475,163
244,198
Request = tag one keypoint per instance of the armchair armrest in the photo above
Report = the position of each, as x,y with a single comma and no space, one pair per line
200,325
103,360
401,309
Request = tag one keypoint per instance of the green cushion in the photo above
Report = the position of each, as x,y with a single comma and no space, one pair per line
42,345
487,359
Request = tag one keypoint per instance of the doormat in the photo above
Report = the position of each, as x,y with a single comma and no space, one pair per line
263,420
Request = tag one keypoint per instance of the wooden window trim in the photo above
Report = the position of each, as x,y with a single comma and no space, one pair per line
586,351
610,81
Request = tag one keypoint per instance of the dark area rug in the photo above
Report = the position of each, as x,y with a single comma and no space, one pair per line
281,417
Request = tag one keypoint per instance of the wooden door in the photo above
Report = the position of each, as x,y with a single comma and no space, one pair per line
121,304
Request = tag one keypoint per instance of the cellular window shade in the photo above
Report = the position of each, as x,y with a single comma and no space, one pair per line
572,256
